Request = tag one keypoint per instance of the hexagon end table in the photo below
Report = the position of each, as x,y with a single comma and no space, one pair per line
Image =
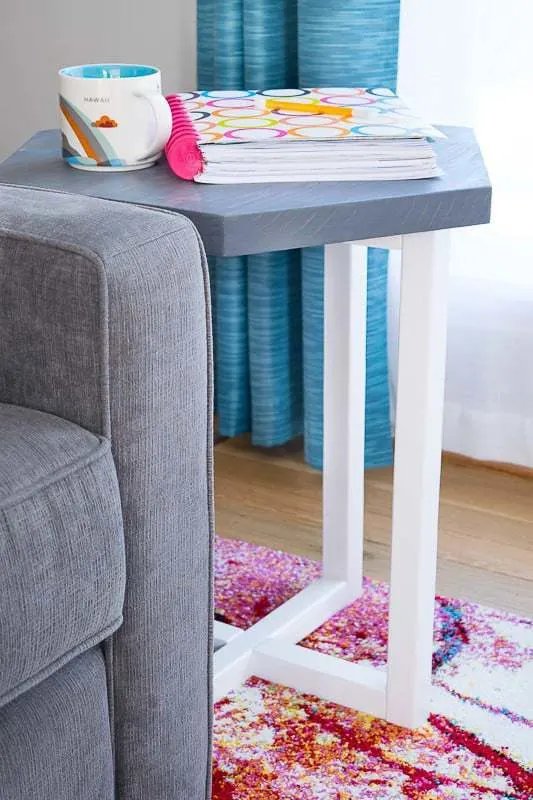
347,217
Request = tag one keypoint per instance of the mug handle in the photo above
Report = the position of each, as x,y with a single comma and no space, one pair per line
163,122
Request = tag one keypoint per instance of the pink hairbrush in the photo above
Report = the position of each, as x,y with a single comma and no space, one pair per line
183,154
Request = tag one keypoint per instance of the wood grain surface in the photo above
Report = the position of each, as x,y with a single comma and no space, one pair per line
272,497
257,218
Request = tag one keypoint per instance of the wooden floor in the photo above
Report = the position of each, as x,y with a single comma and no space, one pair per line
486,520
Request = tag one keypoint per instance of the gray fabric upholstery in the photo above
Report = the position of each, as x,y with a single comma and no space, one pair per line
55,741
107,325
61,545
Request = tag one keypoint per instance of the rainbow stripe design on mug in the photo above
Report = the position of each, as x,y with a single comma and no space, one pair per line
95,147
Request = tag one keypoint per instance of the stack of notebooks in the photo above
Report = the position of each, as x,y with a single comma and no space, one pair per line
342,134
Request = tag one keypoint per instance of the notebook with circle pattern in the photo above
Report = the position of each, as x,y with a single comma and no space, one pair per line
333,133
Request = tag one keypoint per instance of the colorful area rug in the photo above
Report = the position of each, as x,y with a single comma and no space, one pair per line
272,743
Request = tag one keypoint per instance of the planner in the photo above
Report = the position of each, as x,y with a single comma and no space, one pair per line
282,135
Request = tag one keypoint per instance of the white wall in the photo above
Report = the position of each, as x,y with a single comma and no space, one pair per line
37,37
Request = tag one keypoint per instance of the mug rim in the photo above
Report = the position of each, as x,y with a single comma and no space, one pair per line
64,72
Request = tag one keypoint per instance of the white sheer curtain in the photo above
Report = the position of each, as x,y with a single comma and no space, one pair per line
470,62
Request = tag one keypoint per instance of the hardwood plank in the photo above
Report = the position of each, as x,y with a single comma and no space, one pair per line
288,456
467,486
464,481
453,579
462,580
499,466
486,535
466,535
489,486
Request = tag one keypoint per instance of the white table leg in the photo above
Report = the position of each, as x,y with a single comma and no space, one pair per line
343,496
417,462
344,413
270,648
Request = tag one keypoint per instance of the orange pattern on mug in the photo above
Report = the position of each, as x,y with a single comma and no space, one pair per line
105,122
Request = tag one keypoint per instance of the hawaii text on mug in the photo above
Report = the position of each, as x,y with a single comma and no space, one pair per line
113,116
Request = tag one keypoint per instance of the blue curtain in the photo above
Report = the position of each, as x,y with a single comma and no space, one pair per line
268,308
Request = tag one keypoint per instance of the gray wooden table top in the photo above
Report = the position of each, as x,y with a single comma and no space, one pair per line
257,218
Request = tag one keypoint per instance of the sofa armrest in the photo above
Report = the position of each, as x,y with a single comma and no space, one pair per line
104,320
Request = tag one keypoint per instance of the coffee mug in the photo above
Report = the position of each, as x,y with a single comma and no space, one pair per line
113,116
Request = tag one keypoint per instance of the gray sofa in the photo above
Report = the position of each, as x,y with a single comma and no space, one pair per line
105,502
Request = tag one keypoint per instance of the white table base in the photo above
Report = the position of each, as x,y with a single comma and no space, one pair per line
269,648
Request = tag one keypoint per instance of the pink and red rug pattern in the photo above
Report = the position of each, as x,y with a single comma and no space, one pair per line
272,743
